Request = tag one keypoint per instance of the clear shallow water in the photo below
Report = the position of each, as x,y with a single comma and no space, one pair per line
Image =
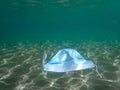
22,20
92,27
21,66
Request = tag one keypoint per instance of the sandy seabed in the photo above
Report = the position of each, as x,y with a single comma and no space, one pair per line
21,66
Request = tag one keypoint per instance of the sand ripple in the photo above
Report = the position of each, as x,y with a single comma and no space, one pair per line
21,66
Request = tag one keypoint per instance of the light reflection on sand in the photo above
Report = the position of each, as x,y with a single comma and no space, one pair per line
21,66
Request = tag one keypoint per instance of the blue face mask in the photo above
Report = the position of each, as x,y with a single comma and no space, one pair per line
67,60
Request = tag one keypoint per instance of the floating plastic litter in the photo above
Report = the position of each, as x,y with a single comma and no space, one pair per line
69,60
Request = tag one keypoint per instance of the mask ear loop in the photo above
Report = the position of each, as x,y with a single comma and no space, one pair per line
43,63
96,69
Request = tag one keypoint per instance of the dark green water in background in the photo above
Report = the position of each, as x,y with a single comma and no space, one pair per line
32,20
92,27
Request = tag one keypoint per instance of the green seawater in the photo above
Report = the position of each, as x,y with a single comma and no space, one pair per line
31,29
31,20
